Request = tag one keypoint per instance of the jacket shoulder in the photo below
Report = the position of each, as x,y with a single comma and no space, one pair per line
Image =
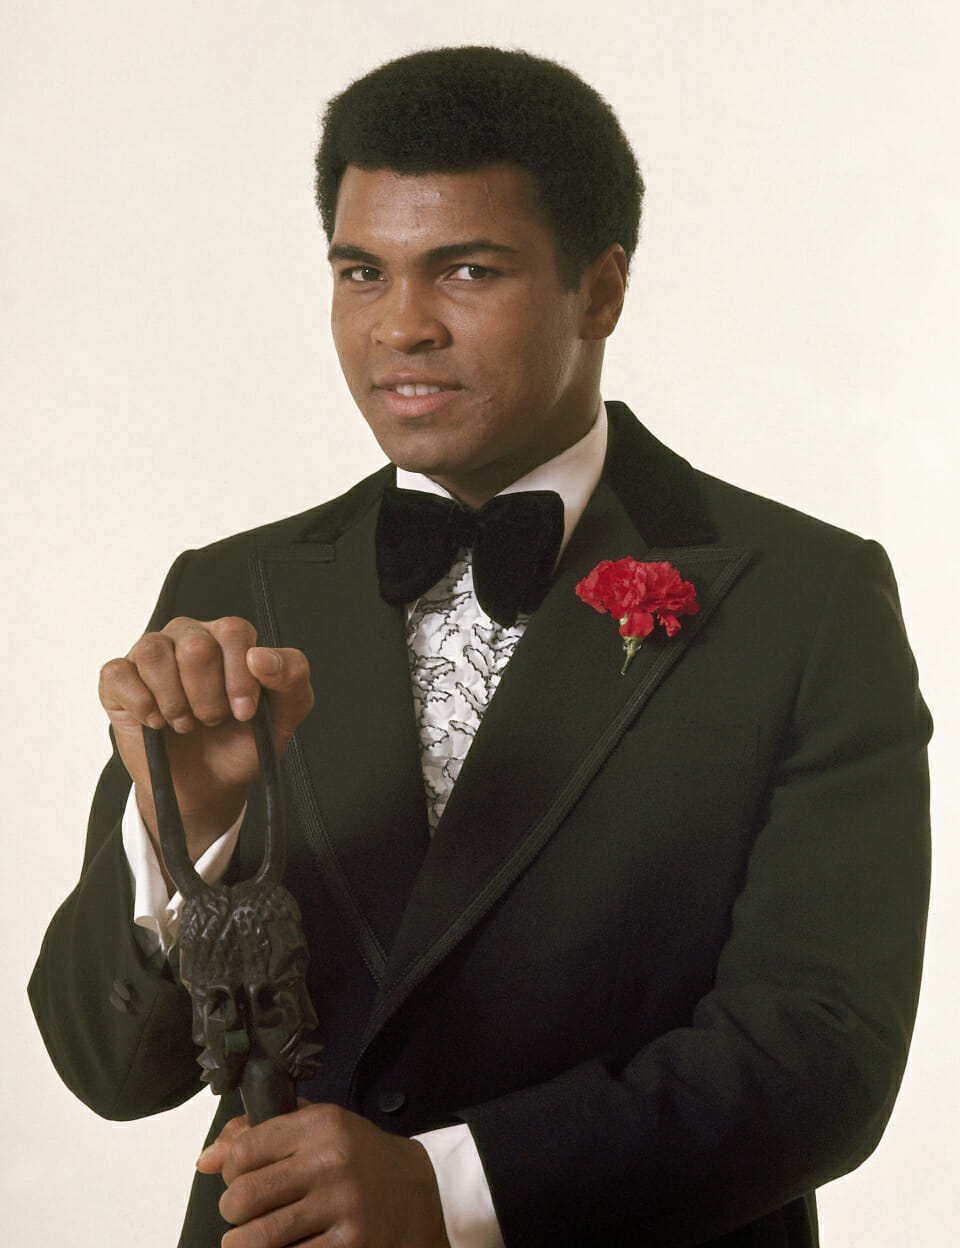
674,504
744,518
324,523
215,580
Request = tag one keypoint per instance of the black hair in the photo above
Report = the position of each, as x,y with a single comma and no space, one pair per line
450,110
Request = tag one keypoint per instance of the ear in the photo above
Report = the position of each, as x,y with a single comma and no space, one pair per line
602,288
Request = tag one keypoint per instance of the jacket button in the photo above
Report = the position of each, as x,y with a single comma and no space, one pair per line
391,1102
121,996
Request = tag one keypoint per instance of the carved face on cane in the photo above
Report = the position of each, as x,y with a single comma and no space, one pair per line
244,961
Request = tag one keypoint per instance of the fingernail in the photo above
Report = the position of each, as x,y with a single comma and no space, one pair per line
272,662
243,708
183,724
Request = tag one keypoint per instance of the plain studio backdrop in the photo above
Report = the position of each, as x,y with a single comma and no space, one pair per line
168,378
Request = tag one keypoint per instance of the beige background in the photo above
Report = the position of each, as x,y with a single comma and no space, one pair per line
167,378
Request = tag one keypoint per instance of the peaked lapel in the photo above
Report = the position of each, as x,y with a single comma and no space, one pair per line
561,706
353,768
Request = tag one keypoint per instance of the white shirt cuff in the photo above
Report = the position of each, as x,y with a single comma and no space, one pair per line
468,1212
156,915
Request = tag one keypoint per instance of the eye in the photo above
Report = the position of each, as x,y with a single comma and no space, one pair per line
266,1010
265,998
361,273
471,272
217,1001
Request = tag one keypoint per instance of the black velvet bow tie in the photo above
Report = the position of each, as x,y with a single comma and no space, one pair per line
515,539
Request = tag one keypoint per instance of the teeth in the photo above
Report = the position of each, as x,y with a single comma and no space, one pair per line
411,391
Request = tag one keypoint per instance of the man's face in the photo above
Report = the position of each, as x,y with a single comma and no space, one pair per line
460,344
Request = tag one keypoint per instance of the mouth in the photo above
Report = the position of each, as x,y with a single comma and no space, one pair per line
411,390
415,397
410,383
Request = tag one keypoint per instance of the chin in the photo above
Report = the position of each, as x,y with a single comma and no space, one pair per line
406,454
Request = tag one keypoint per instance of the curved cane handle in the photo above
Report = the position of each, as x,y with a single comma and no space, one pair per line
173,840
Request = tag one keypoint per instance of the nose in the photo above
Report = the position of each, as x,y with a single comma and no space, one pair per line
408,320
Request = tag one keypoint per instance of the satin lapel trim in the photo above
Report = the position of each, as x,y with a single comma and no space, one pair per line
369,834
524,772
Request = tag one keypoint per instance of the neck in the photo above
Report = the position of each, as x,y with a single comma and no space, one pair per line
473,489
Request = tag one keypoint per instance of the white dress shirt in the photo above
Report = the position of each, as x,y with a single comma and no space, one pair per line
468,1210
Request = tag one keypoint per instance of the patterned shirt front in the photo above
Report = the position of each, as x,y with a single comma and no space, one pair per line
457,656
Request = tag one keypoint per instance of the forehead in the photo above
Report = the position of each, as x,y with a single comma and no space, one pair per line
380,208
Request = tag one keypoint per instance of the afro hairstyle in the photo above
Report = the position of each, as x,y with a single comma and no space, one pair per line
452,110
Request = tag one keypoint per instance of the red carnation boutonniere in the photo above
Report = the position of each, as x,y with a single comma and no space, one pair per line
634,593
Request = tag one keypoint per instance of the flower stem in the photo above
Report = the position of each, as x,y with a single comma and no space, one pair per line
630,646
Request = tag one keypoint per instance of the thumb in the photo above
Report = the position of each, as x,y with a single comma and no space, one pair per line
286,673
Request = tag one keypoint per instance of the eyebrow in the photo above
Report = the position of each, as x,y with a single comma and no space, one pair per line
436,255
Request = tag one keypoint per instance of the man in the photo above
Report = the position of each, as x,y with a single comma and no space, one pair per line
633,956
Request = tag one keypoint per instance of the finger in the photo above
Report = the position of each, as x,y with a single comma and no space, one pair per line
286,673
318,1128
295,1223
262,1145
126,699
272,1189
281,1176
235,636
154,657
199,662
213,1156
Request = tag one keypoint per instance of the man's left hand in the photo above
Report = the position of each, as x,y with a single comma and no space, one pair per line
323,1169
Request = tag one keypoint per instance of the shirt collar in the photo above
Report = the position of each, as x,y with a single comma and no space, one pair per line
573,474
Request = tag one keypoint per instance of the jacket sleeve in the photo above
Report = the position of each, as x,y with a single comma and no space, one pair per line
115,1023
788,1069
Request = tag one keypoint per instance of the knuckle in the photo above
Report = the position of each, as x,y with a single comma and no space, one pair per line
122,692
249,1192
348,1233
327,1118
283,1226
151,649
276,1227
243,1154
265,1232
141,703
235,628
197,647
113,672
329,1159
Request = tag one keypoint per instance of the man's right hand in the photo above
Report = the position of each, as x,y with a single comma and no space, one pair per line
201,681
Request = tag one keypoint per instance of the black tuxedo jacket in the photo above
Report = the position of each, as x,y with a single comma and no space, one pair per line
664,949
